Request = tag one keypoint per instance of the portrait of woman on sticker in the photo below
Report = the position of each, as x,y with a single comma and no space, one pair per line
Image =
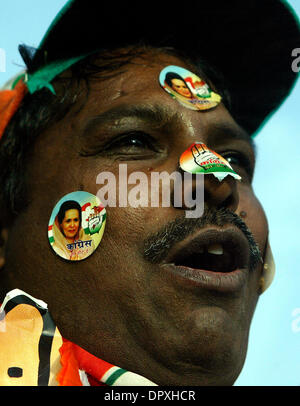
196,96
70,241
178,84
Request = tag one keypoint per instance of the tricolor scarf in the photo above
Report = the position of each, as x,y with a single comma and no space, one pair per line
33,352
80,368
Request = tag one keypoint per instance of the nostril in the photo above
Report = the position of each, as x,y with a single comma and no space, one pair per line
228,202
216,194
221,194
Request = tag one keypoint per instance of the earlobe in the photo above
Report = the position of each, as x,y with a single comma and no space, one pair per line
268,271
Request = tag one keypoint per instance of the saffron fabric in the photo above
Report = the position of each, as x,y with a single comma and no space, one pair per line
10,101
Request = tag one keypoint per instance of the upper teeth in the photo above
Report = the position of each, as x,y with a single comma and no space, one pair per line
216,249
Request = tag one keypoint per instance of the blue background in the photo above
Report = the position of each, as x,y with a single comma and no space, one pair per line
274,346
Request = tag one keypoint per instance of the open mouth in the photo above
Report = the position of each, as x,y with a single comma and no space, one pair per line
213,257
214,250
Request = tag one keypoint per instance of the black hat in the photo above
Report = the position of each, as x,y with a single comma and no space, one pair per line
250,42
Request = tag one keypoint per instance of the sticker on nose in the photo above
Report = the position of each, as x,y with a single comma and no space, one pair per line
198,158
188,89
76,225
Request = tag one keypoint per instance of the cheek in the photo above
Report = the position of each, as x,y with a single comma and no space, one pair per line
255,217
126,229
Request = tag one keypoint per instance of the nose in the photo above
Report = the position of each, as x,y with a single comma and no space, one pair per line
216,194
221,194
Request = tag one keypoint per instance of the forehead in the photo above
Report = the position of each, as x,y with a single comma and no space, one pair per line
71,213
135,88
140,76
178,81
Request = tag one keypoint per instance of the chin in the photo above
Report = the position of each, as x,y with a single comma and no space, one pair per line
208,351
215,365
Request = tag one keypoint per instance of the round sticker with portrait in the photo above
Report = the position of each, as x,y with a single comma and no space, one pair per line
76,225
188,89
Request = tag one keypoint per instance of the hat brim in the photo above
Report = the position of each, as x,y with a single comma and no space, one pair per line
250,42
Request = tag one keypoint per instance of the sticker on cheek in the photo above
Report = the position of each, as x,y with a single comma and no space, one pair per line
76,225
188,89
200,159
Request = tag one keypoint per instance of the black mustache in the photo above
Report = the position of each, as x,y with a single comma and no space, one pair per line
157,246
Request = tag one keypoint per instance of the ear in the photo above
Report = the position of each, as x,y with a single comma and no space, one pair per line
268,271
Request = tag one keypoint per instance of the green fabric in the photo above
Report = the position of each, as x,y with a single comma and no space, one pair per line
22,76
43,77
112,379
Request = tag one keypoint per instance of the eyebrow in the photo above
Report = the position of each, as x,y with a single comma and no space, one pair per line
159,116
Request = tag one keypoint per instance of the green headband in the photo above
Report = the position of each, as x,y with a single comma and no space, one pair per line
44,76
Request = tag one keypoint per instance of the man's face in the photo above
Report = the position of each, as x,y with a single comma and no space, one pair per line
70,223
180,87
172,323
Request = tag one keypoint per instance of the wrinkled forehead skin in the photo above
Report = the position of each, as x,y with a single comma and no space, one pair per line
117,304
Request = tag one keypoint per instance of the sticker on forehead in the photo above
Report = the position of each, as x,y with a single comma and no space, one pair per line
188,89
76,225
200,159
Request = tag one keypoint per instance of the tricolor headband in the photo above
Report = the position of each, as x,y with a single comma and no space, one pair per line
27,82
11,99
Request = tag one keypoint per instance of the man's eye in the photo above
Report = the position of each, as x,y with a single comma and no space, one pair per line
131,143
234,159
239,162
